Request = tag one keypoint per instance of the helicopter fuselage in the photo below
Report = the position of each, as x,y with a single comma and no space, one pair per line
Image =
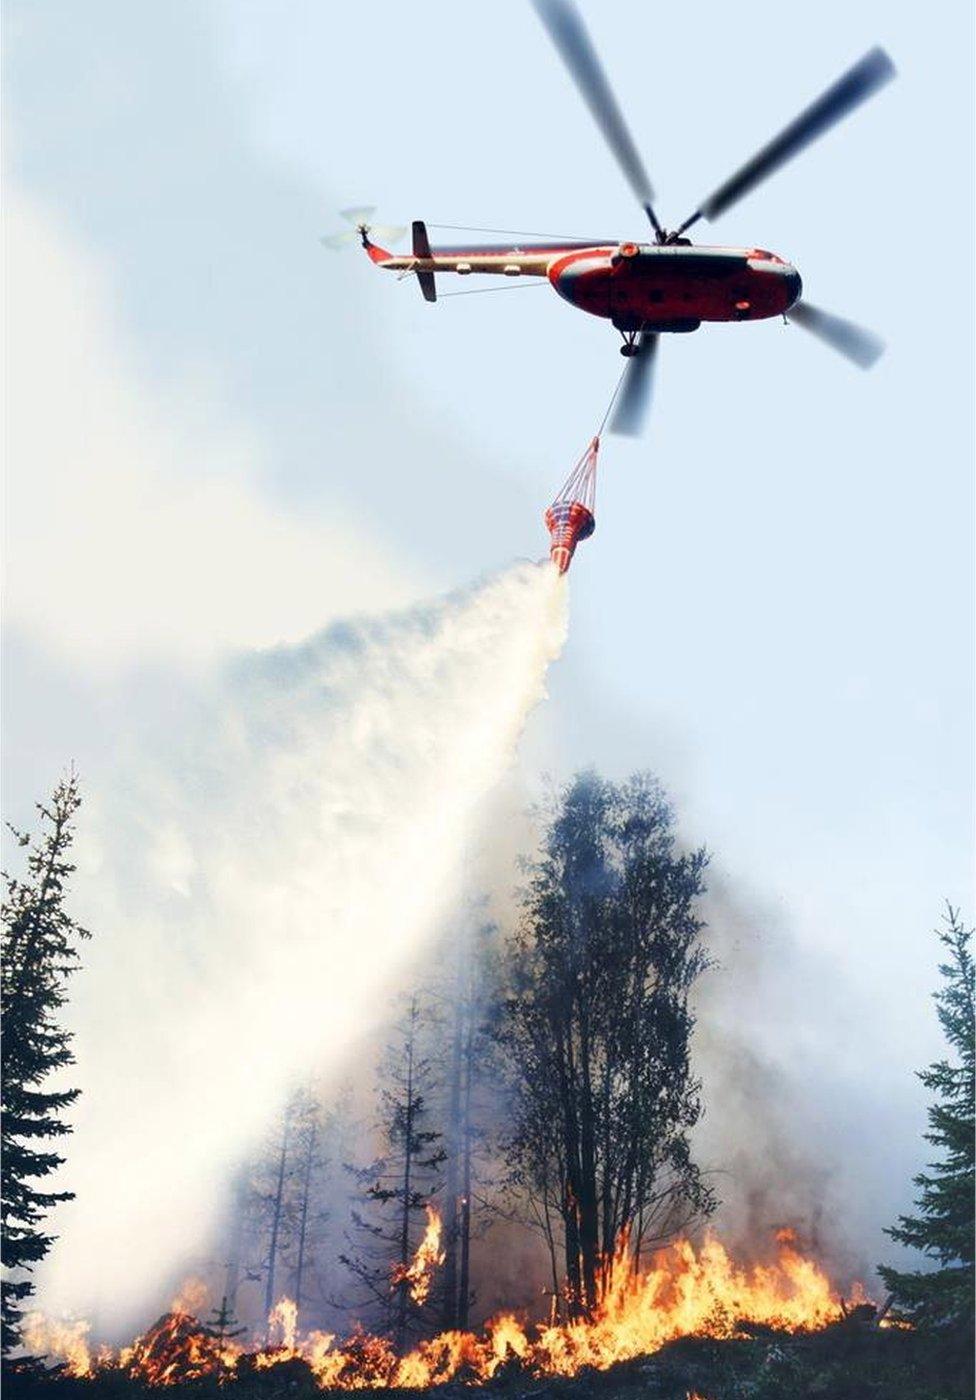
637,286
675,287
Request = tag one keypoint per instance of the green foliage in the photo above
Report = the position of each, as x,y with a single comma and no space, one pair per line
943,1297
39,953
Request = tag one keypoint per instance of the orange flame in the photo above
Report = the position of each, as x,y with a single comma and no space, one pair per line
283,1323
419,1273
191,1297
65,1338
685,1292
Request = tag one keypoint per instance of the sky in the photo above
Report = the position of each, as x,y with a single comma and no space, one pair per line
222,436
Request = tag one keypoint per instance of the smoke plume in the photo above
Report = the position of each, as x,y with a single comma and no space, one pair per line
260,866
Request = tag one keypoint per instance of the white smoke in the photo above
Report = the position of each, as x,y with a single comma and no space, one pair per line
257,872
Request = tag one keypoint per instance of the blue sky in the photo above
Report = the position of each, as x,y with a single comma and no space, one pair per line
775,613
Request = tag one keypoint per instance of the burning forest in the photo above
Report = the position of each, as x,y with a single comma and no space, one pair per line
683,1291
511,1196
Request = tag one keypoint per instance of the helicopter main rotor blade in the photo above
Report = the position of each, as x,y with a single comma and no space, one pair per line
858,84
567,31
634,398
861,346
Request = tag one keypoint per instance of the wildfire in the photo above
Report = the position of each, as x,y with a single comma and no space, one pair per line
419,1273
67,1340
685,1292
191,1297
283,1324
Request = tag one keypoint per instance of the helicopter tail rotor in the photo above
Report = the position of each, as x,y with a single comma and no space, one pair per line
360,218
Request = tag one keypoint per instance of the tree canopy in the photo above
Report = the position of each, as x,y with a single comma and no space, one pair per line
597,1026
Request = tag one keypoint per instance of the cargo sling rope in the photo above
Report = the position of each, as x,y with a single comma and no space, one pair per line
572,515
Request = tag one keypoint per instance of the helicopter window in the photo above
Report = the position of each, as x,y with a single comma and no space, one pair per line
656,294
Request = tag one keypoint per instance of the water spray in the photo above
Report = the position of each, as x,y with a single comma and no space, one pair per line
262,869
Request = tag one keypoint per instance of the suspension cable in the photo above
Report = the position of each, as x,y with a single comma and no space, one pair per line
613,399
480,291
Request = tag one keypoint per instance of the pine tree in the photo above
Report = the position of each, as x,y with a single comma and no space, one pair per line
397,1188
311,1215
278,1206
943,1297
39,953
222,1325
269,1199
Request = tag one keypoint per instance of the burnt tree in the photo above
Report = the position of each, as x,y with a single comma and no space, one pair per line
469,1103
270,1211
597,1028
396,1189
312,1131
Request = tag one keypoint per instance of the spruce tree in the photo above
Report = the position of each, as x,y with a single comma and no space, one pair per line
39,945
942,1297
222,1325
395,1190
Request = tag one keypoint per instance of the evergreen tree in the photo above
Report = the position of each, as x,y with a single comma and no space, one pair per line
39,945
311,1215
943,1297
397,1188
222,1325
271,1208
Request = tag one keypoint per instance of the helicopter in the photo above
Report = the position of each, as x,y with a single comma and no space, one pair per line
668,285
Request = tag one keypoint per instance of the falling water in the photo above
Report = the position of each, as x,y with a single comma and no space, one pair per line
257,871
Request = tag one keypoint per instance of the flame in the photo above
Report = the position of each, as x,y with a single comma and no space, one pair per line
419,1273
685,1292
283,1324
177,1349
64,1338
192,1297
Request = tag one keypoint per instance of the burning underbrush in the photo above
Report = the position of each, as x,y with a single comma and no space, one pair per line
685,1292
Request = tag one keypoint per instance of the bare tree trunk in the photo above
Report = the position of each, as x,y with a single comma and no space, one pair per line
464,1284
269,1298
571,1186
233,1275
608,1239
589,1226
303,1222
551,1243
404,1260
453,1206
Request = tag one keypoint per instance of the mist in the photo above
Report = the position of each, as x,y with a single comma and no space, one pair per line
258,868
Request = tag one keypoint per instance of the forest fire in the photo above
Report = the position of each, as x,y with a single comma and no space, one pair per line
686,1291
419,1273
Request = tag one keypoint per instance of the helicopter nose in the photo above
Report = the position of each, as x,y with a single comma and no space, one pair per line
794,286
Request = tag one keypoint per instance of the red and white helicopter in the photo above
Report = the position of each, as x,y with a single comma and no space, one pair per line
669,285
